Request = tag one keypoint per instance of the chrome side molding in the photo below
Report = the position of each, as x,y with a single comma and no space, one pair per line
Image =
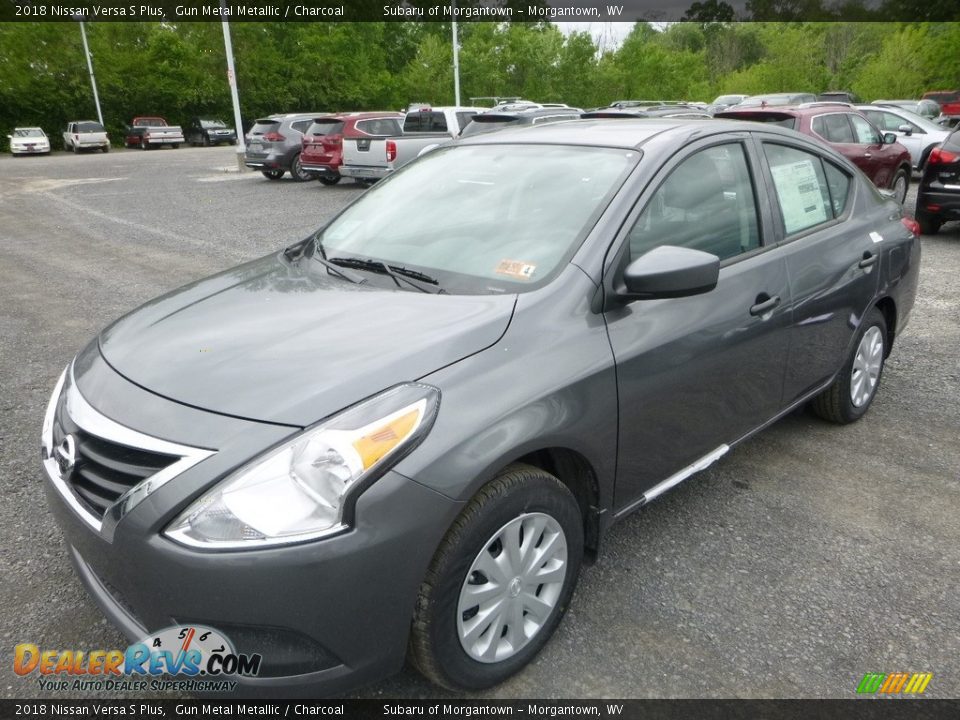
678,477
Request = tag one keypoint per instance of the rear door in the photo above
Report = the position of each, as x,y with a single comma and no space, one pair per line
884,159
832,256
695,374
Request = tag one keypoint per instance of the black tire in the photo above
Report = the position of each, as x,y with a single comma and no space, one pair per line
901,179
435,646
329,179
365,183
76,149
144,145
175,145
929,225
206,141
272,174
297,172
835,403
105,149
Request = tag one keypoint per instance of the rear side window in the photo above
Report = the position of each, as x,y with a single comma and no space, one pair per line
425,122
706,203
802,189
833,127
301,125
326,127
379,126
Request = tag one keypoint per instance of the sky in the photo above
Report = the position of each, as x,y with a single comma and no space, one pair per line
606,35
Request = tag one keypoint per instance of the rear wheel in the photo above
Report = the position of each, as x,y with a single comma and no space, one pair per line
206,141
901,181
850,395
297,171
500,581
272,174
144,145
329,179
929,225
365,183
76,149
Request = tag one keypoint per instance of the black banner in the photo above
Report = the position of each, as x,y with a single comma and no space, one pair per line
700,11
863,709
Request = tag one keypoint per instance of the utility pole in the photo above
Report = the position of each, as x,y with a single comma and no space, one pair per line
93,80
232,78
456,59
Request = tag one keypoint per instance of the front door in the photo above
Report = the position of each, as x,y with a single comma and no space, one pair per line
697,373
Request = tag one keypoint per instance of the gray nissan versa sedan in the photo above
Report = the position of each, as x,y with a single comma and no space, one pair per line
403,434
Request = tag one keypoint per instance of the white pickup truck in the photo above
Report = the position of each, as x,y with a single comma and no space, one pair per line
85,135
370,159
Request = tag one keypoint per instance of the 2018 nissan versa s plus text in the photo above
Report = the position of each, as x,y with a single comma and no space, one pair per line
402,434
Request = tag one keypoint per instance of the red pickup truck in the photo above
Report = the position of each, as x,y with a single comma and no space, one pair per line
147,132
949,101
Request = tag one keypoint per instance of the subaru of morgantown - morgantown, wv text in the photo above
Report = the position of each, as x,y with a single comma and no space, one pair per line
401,436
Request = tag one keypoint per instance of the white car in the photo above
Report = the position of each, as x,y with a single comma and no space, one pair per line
29,141
917,134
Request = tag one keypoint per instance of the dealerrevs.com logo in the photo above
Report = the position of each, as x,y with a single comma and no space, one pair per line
198,659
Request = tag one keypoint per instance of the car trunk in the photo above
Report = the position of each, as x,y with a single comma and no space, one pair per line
263,137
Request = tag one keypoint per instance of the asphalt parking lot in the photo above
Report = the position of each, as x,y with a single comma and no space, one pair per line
808,556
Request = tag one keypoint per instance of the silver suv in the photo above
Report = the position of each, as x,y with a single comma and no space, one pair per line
273,145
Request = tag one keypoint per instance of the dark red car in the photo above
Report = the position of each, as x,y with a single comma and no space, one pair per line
882,159
949,101
322,153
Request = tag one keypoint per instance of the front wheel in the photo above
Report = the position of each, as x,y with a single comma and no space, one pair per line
500,582
901,181
850,395
272,174
297,171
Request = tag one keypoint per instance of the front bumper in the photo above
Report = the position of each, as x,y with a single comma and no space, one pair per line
325,615
36,150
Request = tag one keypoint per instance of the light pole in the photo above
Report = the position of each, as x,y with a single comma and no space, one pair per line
456,59
93,80
232,78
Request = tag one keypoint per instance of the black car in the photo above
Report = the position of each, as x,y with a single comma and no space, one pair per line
399,436
938,197
206,132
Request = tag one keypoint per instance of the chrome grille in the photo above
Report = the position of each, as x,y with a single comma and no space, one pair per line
104,470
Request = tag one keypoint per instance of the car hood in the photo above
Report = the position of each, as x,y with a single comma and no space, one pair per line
276,342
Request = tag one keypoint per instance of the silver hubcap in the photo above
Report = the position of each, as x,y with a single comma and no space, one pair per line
512,587
866,367
900,189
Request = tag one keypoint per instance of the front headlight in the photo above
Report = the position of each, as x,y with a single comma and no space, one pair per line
300,490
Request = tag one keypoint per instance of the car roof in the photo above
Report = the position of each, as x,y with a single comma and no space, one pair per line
624,133
527,112
28,127
814,108
359,115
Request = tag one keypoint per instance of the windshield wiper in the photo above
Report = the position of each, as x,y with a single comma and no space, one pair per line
296,252
396,272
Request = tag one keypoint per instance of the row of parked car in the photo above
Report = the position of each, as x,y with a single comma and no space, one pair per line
144,132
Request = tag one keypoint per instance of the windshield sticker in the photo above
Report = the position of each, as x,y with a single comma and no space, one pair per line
515,269
800,198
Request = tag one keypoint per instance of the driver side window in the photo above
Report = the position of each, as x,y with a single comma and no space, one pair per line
706,203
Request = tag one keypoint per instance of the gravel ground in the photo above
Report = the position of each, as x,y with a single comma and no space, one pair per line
808,556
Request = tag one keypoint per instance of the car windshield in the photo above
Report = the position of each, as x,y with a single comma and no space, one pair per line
483,218
28,132
88,127
212,124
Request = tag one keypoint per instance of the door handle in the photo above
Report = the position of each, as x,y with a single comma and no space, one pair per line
869,259
764,306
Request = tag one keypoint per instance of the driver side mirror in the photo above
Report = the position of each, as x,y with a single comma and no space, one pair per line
889,138
669,271
906,130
